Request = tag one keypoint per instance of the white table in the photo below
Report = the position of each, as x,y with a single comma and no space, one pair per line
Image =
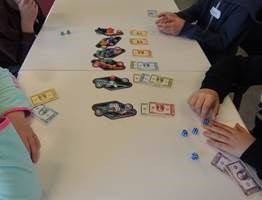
89,157
51,51
143,158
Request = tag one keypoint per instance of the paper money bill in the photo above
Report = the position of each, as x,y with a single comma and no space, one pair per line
144,66
144,108
44,113
138,41
161,108
243,178
142,53
220,161
160,81
138,33
136,78
152,13
44,97
144,78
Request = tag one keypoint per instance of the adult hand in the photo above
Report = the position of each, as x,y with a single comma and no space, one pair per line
26,133
204,102
170,23
28,12
234,140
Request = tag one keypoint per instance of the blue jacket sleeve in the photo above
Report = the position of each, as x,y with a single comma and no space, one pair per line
192,13
12,98
232,27
18,179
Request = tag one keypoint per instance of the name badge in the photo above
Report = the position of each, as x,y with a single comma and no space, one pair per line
215,12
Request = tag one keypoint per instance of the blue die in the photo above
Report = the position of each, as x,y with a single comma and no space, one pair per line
194,156
184,133
205,122
195,131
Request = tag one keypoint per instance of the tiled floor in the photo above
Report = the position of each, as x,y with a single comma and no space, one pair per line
250,99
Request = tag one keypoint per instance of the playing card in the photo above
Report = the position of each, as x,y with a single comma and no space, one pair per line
144,108
44,97
138,41
140,33
152,13
44,113
144,66
161,108
141,53
220,161
243,178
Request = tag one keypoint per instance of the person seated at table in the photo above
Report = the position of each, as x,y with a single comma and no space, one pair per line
20,20
219,26
252,44
18,178
206,101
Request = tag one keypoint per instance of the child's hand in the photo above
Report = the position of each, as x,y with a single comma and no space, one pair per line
204,102
28,11
27,135
232,140
170,23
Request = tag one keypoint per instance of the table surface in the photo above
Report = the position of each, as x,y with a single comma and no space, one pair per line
75,51
141,157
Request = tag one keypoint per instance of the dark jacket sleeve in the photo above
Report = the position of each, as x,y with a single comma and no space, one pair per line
14,44
16,50
253,158
245,71
192,13
237,23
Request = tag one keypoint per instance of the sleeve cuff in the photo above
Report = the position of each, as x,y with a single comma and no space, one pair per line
187,30
26,110
28,38
253,157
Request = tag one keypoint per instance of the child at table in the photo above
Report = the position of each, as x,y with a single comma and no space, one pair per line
20,20
215,86
218,25
17,175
